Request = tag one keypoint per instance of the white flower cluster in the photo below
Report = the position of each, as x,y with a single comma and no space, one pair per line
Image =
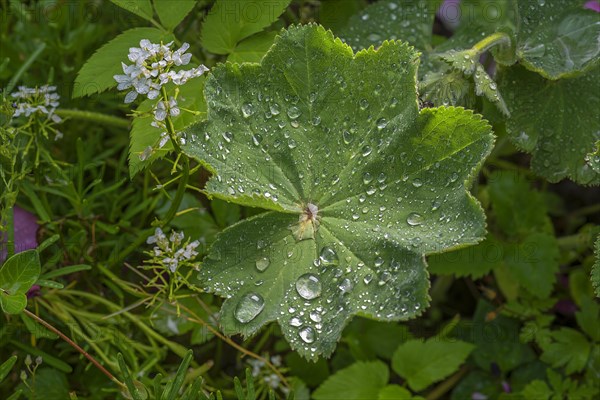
151,69
43,100
270,379
172,248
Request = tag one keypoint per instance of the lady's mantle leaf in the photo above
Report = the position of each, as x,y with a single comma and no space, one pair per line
556,121
360,185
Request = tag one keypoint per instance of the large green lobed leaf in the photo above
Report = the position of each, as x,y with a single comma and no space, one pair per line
359,184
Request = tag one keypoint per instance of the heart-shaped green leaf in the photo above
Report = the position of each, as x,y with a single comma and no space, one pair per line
360,185
17,275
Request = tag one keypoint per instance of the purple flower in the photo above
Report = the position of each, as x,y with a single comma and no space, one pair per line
593,5
25,224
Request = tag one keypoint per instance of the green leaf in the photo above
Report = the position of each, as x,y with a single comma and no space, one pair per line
533,262
410,21
52,383
537,389
475,261
558,39
144,135
467,61
252,49
476,381
172,12
141,8
595,276
422,363
334,14
360,185
554,121
17,275
6,366
396,392
518,210
97,73
231,21
593,158
588,318
497,340
361,380
570,349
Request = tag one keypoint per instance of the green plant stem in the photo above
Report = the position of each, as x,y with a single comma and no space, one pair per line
186,169
195,318
93,117
74,345
494,39
174,347
572,242
593,209
448,384
36,53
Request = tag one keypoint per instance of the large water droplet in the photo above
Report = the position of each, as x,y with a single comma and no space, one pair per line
366,150
228,136
315,316
347,137
414,219
274,108
307,334
345,286
250,305
294,112
247,110
262,263
308,286
417,183
364,104
328,257
381,123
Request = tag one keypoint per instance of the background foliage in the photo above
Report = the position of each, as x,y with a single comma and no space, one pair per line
514,316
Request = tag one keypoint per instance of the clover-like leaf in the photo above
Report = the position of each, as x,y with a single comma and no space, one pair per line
359,184
17,275
556,121
558,38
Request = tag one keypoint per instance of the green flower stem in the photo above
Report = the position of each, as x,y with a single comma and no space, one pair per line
74,345
494,39
186,169
93,117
